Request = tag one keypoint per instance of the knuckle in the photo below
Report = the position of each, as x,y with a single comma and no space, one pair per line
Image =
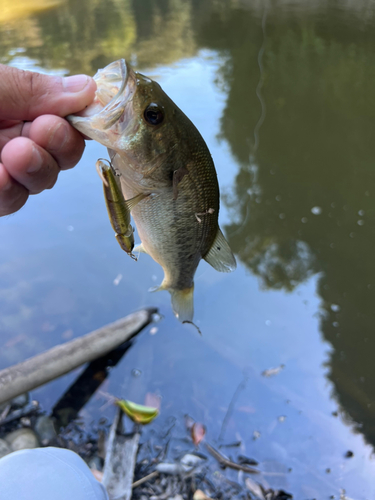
71,154
29,86
45,178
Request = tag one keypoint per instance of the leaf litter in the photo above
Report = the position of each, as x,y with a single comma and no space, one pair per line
195,470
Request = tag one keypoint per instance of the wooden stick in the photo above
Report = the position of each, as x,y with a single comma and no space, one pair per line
228,463
64,358
120,460
145,479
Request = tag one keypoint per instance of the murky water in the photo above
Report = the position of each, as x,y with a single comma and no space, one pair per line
283,93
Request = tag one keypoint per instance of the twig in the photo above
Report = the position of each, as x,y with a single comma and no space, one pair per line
145,479
228,463
231,445
22,412
5,413
240,388
64,358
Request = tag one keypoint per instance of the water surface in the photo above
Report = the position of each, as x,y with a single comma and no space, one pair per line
283,93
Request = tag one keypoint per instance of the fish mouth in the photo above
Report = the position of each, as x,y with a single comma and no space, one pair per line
115,88
111,81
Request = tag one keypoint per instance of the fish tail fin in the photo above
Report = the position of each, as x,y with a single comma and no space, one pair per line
183,303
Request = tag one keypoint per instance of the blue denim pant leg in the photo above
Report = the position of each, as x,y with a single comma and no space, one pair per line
48,474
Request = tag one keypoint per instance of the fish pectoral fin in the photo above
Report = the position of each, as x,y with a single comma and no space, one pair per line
130,204
178,175
183,304
220,256
139,248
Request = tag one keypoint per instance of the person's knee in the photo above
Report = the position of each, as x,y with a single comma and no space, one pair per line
45,473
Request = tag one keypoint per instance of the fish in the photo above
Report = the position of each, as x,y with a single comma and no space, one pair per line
117,207
158,152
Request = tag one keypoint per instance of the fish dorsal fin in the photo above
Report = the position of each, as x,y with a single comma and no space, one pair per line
130,204
139,248
220,256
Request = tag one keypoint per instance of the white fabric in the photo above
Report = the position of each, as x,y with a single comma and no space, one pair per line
48,474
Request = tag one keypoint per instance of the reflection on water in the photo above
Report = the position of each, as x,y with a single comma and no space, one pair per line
83,36
298,205
304,202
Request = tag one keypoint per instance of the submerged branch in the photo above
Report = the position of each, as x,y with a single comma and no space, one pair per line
225,462
64,358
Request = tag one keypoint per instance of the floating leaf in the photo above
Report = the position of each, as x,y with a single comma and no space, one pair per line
97,474
255,488
138,413
152,400
199,495
198,432
271,372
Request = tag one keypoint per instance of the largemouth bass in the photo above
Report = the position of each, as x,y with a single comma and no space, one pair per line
159,153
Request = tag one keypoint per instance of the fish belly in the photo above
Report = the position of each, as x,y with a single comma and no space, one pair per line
171,235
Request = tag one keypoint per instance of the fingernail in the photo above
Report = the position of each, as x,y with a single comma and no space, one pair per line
58,138
36,161
75,83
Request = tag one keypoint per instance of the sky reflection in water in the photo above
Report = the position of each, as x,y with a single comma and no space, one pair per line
297,209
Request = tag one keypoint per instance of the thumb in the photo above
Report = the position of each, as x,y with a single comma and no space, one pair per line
24,95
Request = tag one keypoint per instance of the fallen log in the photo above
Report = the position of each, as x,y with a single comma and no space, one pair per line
64,358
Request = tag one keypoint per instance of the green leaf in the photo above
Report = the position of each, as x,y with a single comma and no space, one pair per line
138,413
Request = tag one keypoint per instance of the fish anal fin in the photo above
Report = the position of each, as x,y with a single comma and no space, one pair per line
183,304
220,256
159,288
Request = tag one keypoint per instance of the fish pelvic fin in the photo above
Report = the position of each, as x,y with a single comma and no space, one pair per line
183,304
220,256
140,248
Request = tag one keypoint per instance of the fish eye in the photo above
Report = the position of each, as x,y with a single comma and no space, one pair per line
154,114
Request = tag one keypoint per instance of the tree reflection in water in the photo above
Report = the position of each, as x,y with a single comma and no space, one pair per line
303,203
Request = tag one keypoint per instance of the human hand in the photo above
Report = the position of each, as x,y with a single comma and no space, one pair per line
36,142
